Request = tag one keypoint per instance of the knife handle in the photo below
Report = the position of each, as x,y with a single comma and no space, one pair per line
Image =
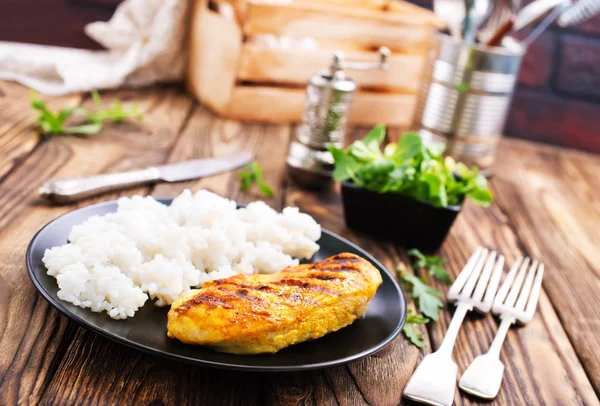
72,189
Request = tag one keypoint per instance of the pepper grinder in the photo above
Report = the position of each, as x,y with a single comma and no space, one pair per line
326,106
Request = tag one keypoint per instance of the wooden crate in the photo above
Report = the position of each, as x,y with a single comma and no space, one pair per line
238,74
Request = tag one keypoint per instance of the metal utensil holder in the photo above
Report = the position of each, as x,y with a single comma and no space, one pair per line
465,97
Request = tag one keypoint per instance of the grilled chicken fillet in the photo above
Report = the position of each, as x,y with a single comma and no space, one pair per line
253,314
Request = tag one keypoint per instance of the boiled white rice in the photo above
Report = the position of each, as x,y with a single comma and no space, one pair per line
114,262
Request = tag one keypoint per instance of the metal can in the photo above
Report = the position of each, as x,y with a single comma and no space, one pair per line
465,96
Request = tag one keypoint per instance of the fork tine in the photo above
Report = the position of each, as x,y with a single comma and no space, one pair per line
485,276
462,277
490,293
516,286
535,291
526,290
470,285
503,291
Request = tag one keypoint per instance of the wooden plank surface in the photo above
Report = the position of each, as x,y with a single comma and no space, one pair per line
547,206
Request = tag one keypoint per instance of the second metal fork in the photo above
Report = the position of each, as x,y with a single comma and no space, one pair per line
434,380
484,376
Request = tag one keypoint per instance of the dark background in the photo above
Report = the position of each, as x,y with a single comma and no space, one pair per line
557,101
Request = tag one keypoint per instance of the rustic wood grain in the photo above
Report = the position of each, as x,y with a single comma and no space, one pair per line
557,221
151,379
18,137
528,353
547,206
131,378
33,337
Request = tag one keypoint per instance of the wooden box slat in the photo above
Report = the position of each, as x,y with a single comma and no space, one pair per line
399,32
245,79
284,105
262,64
214,48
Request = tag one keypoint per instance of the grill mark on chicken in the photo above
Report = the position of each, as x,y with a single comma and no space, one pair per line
345,258
305,284
252,314
207,298
243,293
339,265
325,278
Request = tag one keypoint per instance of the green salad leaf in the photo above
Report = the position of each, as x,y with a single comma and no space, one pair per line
411,168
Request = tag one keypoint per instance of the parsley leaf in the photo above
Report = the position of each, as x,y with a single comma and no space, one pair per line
440,273
434,265
51,123
421,259
117,112
411,332
251,174
56,123
428,298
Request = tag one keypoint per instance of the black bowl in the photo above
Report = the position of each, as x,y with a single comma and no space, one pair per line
403,219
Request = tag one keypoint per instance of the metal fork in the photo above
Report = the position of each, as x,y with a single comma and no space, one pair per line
434,380
484,376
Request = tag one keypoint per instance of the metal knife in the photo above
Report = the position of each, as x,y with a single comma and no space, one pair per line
72,189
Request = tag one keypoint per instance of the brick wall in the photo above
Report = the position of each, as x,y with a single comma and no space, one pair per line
557,100
558,97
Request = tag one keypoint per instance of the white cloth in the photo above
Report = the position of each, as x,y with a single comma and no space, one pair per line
145,41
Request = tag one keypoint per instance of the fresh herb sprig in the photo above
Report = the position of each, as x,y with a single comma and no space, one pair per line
410,168
434,265
117,113
428,299
55,123
251,174
410,329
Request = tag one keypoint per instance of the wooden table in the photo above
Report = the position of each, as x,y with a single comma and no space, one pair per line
547,206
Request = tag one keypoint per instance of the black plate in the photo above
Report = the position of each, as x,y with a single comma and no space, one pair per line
147,331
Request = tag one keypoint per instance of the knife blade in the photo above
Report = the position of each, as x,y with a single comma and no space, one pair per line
71,189
201,168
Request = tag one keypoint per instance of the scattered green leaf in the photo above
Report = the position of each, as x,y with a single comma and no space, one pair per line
434,265
428,298
410,330
413,334
462,87
410,168
56,123
116,113
440,273
251,174
50,122
84,129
